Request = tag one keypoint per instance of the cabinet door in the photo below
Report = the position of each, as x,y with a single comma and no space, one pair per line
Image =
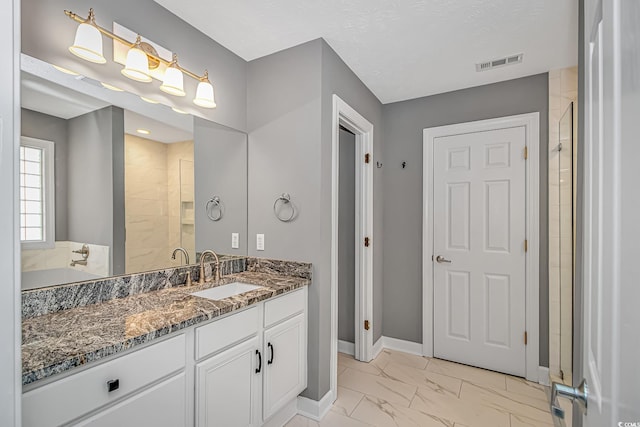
162,405
228,387
285,373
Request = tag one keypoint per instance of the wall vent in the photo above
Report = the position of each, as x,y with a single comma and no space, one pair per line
500,62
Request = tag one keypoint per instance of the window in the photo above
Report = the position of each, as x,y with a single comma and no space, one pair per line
37,208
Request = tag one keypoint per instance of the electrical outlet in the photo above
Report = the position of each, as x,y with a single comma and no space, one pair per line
260,242
235,240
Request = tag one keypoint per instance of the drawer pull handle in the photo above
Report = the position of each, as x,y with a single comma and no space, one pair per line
259,368
270,358
113,385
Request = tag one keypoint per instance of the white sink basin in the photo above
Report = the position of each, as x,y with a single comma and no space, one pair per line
226,291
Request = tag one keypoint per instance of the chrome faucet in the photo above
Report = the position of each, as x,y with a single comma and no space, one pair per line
204,254
184,252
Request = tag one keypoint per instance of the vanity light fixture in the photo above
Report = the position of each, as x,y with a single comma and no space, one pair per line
64,70
140,58
173,82
149,100
111,87
88,42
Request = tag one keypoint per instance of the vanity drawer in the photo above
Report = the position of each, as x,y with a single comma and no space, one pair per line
220,334
284,307
71,397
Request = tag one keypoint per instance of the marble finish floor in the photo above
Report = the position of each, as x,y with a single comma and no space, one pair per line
399,389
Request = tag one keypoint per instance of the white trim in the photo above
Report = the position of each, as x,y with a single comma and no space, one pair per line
316,410
284,415
531,122
363,129
377,348
544,376
346,347
401,345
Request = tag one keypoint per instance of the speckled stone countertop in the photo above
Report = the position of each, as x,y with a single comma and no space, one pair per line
59,341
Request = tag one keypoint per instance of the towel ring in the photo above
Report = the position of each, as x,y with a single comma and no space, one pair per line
213,205
285,198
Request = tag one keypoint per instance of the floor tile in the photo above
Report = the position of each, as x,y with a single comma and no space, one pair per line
422,378
468,373
381,413
527,388
300,421
520,421
412,360
383,388
347,401
333,419
341,369
506,402
455,409
373,367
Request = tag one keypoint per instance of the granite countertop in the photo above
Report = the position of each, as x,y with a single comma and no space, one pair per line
59,341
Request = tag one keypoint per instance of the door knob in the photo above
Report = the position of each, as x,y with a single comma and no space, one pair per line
578,394
442,259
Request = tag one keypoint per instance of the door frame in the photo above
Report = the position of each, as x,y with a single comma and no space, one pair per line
344,115
531,122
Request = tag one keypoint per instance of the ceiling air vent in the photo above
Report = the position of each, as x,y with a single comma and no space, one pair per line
500,62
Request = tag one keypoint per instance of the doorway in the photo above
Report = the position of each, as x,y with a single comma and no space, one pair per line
480,244
362,130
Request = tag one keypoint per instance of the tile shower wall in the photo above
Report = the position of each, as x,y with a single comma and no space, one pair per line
563,89
180,181
152,198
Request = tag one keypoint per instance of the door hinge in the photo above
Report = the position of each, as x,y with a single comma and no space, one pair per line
366,242
526,245
525,338
526,152
366,325
367,158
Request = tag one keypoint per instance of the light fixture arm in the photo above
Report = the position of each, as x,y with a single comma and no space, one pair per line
92,21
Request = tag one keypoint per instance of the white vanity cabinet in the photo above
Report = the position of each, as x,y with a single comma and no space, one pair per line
244,384
236,371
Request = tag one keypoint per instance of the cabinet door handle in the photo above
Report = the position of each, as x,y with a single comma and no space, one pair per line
270,358
259,368
113,385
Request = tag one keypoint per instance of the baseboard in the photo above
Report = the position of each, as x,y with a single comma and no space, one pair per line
346,347
314,409
284,415
543,375
401,345
377,348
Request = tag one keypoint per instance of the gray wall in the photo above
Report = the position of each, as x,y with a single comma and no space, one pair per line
96,181
220,168
42,126
283,100
402,126
346,238
47,33
338,79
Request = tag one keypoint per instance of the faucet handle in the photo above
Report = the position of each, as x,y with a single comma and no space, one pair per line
188,282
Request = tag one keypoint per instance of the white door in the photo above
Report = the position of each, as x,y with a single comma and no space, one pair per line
611,252
285,355
228,387
479,249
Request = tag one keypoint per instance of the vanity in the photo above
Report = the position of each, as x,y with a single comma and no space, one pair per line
161,355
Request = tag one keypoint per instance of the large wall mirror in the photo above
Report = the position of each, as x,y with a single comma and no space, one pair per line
111,185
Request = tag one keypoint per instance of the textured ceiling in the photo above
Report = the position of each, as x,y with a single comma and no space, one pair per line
401,49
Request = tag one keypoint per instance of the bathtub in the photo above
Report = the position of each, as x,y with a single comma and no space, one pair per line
54,276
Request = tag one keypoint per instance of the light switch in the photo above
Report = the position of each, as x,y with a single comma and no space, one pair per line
260,242
235,240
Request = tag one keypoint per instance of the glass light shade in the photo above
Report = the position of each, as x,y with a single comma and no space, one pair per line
204,95
88,44
173,82
137,66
